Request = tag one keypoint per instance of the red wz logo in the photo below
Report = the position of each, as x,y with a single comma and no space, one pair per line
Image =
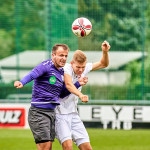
12,117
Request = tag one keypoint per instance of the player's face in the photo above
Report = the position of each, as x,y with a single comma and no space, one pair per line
78,68
60,57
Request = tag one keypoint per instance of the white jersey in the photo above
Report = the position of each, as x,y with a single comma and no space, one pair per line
69,103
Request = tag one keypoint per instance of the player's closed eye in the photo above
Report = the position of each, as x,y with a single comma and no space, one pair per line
80,67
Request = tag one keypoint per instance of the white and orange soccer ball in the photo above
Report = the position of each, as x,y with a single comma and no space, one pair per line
81,27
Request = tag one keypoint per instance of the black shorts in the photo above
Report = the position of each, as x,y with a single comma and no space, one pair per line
42,124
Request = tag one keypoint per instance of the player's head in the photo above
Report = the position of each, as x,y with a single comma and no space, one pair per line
78,62
60,54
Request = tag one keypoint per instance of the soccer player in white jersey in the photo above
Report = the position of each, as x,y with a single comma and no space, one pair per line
69,126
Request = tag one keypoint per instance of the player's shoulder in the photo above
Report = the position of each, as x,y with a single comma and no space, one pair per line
47,62
67,65
88,68
67,68
89,65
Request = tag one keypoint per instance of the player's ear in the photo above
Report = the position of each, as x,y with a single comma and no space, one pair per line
71,63
53,55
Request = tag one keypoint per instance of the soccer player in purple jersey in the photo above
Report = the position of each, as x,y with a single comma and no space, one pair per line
48,86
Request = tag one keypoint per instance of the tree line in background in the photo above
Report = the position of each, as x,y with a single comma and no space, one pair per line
22,26
118,21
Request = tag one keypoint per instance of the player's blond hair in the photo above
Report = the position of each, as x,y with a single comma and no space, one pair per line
79,56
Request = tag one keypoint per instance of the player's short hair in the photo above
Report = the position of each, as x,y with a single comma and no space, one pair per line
79,56
56,46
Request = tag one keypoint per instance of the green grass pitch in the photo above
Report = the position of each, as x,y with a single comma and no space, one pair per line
139,139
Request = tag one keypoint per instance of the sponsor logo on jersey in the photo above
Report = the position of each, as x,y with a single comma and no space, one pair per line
52,80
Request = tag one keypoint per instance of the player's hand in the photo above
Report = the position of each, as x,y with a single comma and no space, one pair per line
18,84
105,46
83,80
84,98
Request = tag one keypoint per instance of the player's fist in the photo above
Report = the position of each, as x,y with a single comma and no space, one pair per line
105,46
83,80
84,98
18,84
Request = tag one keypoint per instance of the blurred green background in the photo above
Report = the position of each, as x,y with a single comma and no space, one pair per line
32,26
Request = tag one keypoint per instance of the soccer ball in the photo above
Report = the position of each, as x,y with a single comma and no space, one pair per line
81,27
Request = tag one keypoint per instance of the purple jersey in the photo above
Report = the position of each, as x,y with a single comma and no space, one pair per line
48,84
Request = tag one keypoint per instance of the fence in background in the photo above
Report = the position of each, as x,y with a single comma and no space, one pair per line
38,25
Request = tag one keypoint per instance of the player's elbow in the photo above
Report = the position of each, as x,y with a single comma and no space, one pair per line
105,65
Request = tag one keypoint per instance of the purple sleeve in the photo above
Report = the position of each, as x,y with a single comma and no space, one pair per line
28,78
65,91
35,73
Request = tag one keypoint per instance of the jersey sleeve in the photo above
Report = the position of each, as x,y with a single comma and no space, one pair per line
35,73
68,69
28,78
88,68
65,91
40,69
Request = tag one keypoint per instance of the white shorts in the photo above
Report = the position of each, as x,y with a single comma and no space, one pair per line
70,126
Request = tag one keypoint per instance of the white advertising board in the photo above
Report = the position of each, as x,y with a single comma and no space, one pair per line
15,115
115,114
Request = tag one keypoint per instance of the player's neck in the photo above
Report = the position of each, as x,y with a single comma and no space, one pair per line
55,64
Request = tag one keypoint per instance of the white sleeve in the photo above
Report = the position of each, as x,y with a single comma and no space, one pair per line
88,68
68,69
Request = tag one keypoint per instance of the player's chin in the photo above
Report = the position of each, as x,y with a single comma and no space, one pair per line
79,73
62,64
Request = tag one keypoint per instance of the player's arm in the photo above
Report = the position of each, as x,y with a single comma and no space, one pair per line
104,62
70,86
26,79
35,73
82,81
